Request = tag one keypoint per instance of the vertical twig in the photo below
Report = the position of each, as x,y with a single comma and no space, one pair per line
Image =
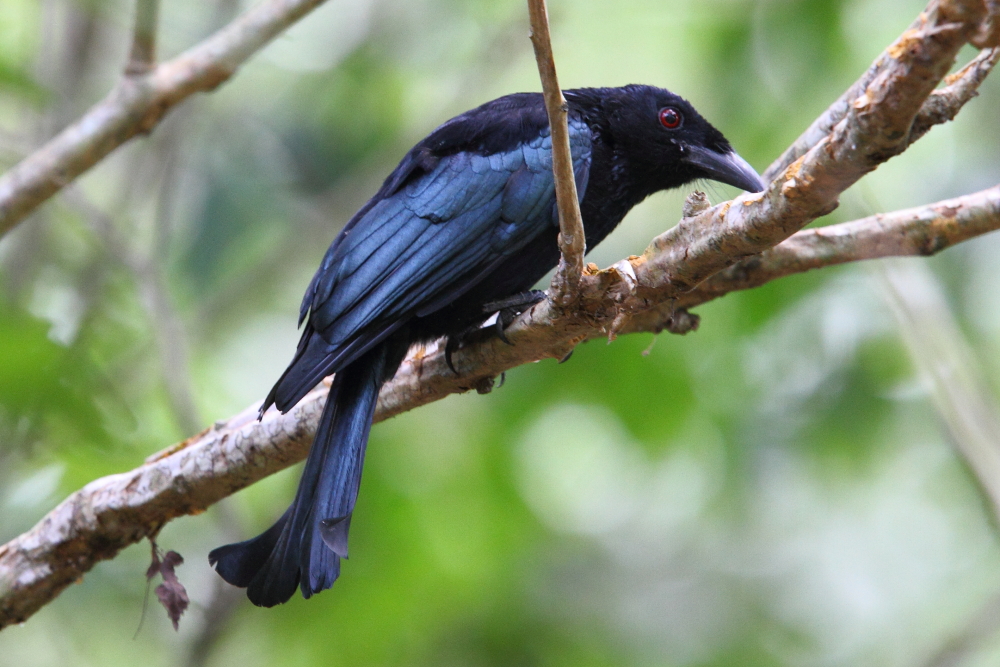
966,407
940,352
565,287
972,640
142,59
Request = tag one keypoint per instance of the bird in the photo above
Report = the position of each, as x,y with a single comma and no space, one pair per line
466,220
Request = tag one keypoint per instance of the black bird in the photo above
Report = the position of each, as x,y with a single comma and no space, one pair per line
467,218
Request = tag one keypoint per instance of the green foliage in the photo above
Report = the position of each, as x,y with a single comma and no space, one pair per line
47,390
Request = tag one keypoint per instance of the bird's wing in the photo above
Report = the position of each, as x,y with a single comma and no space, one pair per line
422,246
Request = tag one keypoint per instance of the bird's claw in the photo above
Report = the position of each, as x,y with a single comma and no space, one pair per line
499,326
449,348
507,311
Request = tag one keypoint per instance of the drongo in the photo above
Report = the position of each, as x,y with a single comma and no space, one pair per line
466,219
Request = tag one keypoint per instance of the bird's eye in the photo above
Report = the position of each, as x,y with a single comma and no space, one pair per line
670,118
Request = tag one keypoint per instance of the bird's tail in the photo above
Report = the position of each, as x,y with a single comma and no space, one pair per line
304,547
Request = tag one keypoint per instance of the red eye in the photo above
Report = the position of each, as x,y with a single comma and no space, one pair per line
670,118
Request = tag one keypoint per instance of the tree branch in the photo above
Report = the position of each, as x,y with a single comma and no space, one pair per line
946,362
966,407
565,287
139,101
875,128
920,231
109,514
143,55
977,16
944,104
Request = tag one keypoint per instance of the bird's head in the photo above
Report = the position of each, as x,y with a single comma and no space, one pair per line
667,143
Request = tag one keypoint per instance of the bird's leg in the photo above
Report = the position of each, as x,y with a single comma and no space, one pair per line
455,342
506,309
518,302
509,308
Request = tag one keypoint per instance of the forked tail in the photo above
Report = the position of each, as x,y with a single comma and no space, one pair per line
304,547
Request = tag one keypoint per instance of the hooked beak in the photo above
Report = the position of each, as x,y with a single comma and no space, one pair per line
728,168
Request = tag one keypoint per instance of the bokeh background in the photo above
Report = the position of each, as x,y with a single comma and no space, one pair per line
779,488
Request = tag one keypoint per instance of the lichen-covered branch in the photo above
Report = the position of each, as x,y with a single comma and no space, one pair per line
920,231
113,512
565,287
108,514
140,100
944,104
981,17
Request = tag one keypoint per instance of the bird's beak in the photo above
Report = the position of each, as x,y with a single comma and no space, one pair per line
728,168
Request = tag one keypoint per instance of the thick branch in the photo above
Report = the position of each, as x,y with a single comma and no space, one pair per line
565,287
138,102
109,514
920,231
976,16
875,128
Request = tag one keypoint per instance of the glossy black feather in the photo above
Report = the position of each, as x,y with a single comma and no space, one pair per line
466,218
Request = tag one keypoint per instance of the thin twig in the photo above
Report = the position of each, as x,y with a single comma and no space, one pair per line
944,104
143,55
971,639
946,362
565,287
137,104
966,407
147,272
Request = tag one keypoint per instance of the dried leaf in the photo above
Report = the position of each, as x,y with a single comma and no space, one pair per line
171,593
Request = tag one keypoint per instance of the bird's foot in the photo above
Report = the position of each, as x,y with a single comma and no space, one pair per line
507,311
454,342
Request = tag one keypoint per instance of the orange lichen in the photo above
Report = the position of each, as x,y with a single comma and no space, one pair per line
906,41
793,169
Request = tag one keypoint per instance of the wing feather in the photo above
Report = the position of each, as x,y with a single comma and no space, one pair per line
424,244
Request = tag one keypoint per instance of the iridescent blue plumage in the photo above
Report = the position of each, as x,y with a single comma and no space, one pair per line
466,218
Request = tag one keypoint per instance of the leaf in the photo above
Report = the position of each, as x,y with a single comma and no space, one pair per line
171,593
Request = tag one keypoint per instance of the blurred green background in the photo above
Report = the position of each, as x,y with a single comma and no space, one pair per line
779,488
